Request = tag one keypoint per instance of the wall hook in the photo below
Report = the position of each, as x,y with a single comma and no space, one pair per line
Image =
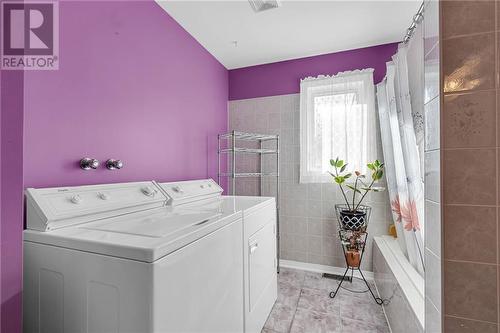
112,164
89,163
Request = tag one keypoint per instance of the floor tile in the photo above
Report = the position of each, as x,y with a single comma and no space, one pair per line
292,277
307,321
318,300
363,309
358,326
304,306
317,281
288,294
280,319
265,330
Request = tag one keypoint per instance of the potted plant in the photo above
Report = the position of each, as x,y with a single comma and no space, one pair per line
354,248
352,215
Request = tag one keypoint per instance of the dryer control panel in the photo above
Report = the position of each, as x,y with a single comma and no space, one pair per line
191,190
53,208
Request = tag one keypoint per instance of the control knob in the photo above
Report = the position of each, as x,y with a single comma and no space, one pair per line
149,191
89,163
76,199
103,196
177,189
112,164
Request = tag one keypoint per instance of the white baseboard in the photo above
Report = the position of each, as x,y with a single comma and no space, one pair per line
305,266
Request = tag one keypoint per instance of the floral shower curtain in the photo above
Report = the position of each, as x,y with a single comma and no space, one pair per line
398,115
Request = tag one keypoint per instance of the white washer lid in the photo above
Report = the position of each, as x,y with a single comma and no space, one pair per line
144,236
190,191
230,203
158,225
55,208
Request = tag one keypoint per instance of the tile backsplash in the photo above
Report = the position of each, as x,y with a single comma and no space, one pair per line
470,190
432,169
307,217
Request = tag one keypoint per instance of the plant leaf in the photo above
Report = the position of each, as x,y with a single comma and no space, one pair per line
353,188
378,175
347,175
343,168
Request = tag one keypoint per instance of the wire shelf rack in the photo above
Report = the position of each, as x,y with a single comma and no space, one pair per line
248,136
249,150
232,151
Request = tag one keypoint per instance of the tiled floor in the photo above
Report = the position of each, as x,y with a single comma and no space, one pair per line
304,306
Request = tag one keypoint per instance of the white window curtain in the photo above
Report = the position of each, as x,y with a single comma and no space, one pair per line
337,119
401,153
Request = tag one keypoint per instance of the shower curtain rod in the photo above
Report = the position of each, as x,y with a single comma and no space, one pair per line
417,18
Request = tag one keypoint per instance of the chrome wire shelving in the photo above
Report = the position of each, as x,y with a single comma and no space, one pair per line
248,136
249,174
232,151
249,150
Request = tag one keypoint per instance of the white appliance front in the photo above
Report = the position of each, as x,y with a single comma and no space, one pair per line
195,289
115,267
259,246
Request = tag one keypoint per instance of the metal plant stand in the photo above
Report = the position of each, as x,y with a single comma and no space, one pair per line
232,150
344,235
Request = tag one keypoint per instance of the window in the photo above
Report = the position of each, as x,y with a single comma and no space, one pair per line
337,118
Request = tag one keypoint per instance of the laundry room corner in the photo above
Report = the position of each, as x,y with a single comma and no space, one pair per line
178,89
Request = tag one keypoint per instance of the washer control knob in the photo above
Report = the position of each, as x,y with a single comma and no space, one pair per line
149,191
177,189
76,199
112,164
103,196
89,163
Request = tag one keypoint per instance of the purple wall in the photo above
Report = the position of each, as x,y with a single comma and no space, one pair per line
283,77
11,199
132,85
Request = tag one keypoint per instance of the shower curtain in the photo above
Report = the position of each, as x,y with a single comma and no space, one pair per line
401,125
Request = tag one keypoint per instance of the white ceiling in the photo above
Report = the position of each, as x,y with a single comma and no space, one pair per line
297,29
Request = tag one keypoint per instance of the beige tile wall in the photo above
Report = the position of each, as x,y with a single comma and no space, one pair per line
432,167
470,143
308,224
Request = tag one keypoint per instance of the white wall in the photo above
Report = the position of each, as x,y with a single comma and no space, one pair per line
308,224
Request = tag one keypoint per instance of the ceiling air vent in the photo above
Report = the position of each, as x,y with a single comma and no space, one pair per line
261,5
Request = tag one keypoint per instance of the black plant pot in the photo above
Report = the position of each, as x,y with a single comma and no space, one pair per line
350,220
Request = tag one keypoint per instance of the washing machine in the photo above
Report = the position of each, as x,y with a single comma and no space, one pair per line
259,244
130,258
